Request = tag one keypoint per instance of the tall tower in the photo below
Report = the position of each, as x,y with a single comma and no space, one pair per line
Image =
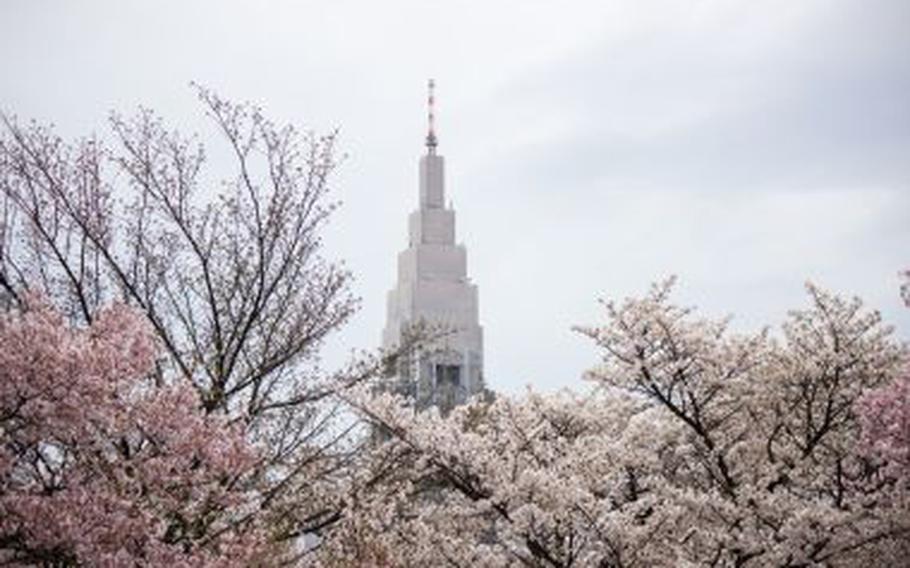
433,288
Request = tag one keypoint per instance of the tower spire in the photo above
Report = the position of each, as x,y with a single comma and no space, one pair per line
431,117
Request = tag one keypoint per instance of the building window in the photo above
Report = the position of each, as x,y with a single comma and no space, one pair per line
448,375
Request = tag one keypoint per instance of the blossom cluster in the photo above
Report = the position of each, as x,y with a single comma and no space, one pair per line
697,447
99,465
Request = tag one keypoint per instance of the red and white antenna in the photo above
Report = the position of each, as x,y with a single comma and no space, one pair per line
431,117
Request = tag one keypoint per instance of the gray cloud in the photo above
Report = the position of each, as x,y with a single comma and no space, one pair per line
592,146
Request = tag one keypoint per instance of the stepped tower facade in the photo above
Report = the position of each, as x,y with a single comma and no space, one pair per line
433,288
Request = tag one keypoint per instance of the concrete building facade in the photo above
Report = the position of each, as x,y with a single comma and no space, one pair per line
433,289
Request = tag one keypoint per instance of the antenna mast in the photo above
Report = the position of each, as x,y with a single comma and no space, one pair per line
431,117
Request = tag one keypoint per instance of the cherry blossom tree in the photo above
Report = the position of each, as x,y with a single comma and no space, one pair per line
535,480
771,425
699,447
101,466
885,416
229,275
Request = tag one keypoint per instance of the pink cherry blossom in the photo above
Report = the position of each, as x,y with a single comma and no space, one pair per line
885,416
99,465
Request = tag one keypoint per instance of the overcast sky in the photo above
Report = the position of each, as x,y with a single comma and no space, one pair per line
592,147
